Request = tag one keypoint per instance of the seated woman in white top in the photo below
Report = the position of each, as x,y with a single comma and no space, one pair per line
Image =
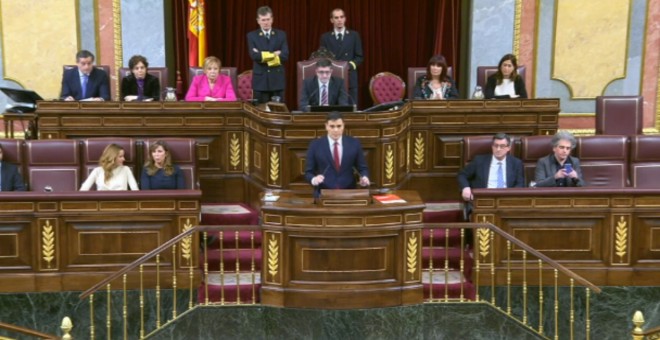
506,82
111,173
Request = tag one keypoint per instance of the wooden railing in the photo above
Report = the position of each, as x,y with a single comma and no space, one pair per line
65,327
518,289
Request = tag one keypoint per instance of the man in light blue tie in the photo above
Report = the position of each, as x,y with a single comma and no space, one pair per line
495,170
85,82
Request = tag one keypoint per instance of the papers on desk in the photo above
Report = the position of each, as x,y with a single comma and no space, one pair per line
389,198
269,197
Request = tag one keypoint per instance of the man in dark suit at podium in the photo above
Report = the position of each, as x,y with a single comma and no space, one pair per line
346,46
10,178
85,82
268,49
323,89
332,160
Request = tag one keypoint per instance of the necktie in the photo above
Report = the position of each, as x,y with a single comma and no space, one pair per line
140,83
84,86
335,155
339,36
268,35
500,176
324,96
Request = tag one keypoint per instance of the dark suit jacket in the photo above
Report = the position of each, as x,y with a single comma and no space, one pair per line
319,162
310,93
98,84
422,91
518,84
348,49
129,87
11,178
475,174
546,168
265,78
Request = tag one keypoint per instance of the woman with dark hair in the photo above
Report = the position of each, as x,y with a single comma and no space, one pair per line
139,85
158,171
436,84
506,82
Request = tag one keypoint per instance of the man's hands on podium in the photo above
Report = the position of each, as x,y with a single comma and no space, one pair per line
318,179
467,194
364,181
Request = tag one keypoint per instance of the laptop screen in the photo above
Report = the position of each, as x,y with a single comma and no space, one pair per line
21,96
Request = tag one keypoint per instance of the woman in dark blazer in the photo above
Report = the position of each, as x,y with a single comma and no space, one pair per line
506,82
436,84
140,85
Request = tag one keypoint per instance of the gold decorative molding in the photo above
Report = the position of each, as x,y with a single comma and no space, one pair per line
47,243
274,166
246,152
420,150
516,28
234,151
389,164
621,239
186,242
412,254
118,43
273,257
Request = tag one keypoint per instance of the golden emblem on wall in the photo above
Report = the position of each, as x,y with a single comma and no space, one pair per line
186,242
273,257
621,239
389,164
274,165
234,151
48,243
483,237
412,249
419,150
246,151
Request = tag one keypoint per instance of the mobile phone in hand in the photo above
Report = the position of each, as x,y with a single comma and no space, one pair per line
568,168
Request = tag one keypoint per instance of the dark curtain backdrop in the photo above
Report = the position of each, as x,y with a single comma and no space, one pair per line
395,34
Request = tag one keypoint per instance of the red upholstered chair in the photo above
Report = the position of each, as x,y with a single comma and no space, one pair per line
92,149
619,115
12,152
414,73
53,165
476,145
184,154
645,161
532,149
386,87
244,89
228,71
158,72
483,72
105,68
604,160
307,69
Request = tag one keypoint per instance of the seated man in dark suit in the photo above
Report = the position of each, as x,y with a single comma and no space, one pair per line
323,89
85,82
10,179
332,159
494,170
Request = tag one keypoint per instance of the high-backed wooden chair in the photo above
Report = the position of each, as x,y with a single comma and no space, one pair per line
184,154
645,161
604,160
483,72
53,165
532,149
619,115
414,73
244,89
159,72
386,87
307,69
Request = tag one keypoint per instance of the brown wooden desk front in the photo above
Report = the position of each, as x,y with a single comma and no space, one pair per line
608,236
243,151
71,241
342,257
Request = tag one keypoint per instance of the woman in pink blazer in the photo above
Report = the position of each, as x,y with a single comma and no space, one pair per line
211,86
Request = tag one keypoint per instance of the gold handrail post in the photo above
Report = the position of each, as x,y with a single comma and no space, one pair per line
66,328
638,320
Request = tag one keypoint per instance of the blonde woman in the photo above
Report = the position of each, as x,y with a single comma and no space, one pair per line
111,174
211,86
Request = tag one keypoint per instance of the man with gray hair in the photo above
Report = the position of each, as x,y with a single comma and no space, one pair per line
560,169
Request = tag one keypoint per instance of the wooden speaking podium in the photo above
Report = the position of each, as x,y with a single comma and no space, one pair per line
345,251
